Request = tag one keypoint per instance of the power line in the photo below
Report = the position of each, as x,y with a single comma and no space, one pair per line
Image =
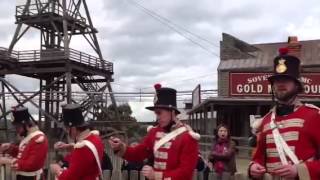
175,24
172,26
165,22
183,80
190,79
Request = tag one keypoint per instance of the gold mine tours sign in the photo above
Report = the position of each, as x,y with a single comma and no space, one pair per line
256,84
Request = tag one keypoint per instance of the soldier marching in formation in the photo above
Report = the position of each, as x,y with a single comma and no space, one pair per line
172,144
28,158
86,157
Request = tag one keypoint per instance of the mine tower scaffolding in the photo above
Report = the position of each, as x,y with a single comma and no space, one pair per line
55,64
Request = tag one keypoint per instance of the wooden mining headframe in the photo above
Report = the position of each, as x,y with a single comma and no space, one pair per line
55,64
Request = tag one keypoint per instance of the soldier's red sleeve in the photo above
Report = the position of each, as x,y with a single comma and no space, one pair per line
188,160
36,154
142,151
13,150
78,168
311,169
67,157
259,155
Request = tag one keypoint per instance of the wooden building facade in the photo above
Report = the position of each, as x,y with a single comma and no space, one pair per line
243,88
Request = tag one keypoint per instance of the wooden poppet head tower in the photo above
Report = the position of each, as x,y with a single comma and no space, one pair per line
57,67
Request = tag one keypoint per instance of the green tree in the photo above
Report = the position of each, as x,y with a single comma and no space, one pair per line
131,126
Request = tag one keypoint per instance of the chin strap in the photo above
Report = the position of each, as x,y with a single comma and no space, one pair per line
168,128
25,131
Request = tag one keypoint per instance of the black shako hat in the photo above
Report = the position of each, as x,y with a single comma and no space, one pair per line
20,115
165,98
72,116
286,66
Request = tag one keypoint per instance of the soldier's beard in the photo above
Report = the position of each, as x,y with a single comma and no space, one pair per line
286,96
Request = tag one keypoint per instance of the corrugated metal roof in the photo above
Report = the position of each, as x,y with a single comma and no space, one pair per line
310,55
233,101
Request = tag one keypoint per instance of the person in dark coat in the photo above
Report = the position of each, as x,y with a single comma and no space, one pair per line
223,152
132,165
201,164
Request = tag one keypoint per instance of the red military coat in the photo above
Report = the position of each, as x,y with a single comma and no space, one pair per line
82,163
31,155
175,160
301,131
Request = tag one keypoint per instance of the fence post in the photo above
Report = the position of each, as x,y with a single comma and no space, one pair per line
116,175
134,175
270,177
13,175
240,176
195,175
201,175
7,172
142,176
226,176
212,175
107,174
2,172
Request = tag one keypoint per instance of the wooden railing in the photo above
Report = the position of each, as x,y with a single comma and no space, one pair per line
5,55
58,54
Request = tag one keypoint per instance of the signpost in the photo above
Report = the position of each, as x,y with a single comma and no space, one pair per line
196,96
257,84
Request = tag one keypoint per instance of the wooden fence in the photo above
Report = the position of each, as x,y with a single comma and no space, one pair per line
7,174
117,174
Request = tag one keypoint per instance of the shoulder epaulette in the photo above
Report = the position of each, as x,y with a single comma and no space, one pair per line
79,145
313,107
257,125
149,128
40,139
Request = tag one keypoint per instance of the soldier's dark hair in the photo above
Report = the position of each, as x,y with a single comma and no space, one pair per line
82,128
27,123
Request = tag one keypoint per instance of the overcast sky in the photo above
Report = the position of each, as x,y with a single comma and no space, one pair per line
145,51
